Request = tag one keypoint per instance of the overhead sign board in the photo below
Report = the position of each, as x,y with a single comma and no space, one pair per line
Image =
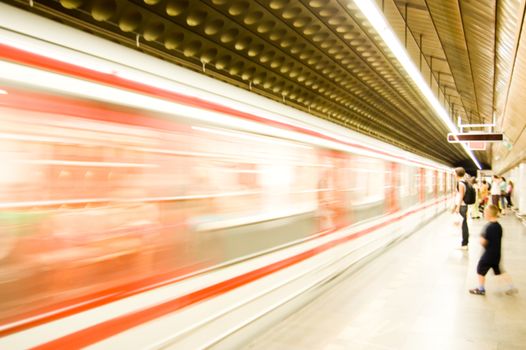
479,136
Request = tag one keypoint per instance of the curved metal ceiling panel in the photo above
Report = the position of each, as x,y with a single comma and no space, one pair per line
511,79
419,23
509,19
480,41
447,20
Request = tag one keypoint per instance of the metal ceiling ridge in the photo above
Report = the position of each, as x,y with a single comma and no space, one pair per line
374,15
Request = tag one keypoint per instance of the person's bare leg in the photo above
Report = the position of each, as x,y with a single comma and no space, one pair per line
505,279
482,282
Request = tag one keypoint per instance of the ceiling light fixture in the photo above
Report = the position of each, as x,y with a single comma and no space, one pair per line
375,17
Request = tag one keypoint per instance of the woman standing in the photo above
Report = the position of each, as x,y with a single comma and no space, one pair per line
495,191
484,194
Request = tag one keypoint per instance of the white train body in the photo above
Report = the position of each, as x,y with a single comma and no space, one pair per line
143,205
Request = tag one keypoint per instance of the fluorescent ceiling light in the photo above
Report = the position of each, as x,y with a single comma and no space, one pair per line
375,17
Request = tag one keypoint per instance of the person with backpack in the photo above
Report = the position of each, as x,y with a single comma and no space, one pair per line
465,196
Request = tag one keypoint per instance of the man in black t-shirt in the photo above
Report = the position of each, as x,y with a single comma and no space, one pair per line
491,239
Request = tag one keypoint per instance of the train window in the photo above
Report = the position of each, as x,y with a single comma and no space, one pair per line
369,177
408,186
416,182
428,183
449,181
367,191
430,174
405,181
440,182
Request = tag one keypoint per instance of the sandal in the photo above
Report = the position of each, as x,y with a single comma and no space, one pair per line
477,291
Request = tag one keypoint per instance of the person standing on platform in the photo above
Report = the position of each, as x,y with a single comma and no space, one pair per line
503,192
495,191
460,206
475,214
509,192
491,239
484,193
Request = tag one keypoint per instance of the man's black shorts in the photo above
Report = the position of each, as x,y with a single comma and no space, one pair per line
484,266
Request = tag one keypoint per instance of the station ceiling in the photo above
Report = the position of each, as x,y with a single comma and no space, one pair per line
322,56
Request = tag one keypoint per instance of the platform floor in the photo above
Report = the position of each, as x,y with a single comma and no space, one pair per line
415,296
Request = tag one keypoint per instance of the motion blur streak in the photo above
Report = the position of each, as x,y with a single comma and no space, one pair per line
106,191
89,205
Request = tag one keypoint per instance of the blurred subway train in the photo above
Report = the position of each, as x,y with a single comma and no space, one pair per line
143,205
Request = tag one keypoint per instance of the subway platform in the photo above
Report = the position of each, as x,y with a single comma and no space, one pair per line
415,296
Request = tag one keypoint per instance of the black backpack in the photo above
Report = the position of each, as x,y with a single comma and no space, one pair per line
470,195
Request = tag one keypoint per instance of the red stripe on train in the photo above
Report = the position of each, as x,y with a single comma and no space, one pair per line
17,55
123,323
87,302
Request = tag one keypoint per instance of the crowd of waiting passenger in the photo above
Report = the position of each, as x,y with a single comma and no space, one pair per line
497,192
